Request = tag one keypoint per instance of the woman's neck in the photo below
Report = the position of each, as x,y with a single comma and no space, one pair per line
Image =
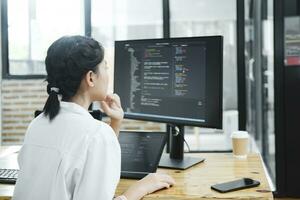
81,100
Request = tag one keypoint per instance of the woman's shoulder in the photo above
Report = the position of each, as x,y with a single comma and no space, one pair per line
103,125
103,132
102,128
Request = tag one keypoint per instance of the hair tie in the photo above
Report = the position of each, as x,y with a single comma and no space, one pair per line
54,89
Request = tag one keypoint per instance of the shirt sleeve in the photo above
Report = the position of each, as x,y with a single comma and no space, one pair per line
101,169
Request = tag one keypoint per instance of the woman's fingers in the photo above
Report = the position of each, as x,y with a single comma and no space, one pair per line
113,98
163,185
168,179
107,103
162,180
111,105
104,106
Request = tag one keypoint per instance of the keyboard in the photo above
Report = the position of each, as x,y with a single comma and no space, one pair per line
8,176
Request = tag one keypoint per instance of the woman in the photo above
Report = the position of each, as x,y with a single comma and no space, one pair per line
66,153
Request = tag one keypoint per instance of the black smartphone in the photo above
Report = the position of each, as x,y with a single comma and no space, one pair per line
235,185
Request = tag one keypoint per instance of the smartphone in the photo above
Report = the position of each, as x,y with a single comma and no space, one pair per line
235,185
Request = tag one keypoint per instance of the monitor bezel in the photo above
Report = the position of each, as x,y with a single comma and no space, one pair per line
172,120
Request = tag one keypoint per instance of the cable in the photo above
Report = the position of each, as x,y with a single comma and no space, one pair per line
178,133
189,150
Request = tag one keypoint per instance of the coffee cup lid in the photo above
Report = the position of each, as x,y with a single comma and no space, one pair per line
240,134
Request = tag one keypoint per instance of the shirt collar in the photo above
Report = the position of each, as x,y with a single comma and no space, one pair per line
74,107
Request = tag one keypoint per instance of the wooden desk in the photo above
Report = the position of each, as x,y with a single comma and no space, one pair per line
193,183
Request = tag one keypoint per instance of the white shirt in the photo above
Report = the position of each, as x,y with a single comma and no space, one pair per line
72,157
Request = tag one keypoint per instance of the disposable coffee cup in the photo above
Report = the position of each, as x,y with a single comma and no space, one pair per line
240,144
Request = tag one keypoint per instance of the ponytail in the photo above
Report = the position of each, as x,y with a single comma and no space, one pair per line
52,105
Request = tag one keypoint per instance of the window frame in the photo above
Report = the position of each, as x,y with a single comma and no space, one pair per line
88,31
5,41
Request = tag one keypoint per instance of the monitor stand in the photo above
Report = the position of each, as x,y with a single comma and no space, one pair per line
176,158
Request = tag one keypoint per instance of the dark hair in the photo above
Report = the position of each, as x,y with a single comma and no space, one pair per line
68,60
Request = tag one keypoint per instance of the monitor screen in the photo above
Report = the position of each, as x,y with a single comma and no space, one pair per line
176,80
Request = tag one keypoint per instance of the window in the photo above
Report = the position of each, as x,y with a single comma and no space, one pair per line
210,17
259,66
42,22
123,20
33,25
126,19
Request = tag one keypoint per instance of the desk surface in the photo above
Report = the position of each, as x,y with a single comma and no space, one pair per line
193,183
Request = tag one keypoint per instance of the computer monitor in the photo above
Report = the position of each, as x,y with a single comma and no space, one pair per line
176,80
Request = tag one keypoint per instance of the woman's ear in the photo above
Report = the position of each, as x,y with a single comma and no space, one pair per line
90,78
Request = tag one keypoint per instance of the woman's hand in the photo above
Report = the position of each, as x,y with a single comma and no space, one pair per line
112,107
149,184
